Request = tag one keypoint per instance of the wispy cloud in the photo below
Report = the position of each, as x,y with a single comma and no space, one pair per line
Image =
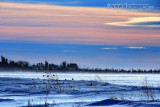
133,47
140,21
72,51
72,25
109,48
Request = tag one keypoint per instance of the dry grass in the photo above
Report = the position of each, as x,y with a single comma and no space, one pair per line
51,83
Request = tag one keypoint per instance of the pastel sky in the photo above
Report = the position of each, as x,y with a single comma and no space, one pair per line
85,32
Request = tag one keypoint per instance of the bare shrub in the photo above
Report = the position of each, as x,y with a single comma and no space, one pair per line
51,83
148,92
29,103
99,79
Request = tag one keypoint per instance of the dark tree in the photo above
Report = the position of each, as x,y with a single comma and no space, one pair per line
4,61
46,65
64,65
72,66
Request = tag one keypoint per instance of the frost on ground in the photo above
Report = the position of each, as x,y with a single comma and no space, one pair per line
79,89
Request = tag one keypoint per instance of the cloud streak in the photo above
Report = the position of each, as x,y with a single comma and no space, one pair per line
138,22
70,51
73,25
109,48
135,47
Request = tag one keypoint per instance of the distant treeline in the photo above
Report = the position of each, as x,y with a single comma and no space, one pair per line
64,66
9,64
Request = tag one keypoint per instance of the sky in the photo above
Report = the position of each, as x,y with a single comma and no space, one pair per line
86,32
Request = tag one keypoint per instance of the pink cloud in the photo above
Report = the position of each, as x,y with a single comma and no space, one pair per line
81,25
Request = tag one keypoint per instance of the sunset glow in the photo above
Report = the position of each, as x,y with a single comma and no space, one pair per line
114,35
79,25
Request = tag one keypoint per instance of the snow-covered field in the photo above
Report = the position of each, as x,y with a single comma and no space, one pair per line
79,89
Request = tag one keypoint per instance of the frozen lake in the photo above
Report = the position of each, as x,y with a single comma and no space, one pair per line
121,79
19,89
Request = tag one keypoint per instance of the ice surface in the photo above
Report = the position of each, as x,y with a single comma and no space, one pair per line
78,89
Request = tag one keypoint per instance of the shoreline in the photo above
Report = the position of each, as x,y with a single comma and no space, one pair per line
14,70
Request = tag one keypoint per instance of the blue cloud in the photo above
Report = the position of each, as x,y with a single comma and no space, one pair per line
148,24
84,55
90,3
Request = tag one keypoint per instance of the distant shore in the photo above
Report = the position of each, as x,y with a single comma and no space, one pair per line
69,71
10,65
